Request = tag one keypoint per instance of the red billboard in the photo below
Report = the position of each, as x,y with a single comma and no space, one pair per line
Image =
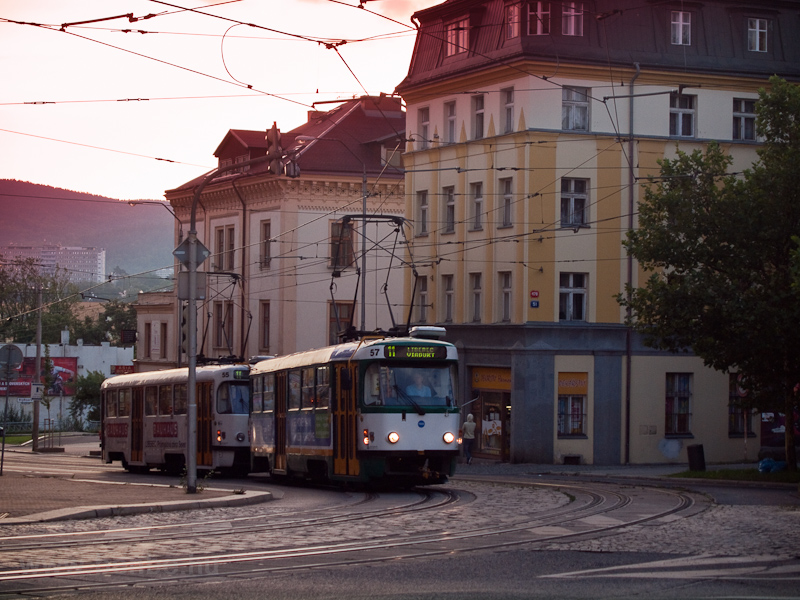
64,373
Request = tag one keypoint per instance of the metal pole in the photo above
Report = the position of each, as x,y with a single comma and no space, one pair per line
364,249
37,376
191,442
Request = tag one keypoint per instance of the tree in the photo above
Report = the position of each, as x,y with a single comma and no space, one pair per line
720,250
86,402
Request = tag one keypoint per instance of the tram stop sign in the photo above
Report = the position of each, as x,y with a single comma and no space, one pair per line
182,252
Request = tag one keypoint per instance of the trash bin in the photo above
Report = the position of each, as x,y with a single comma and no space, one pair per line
697,459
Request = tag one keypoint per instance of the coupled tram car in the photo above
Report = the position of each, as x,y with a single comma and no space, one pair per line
373,411
145,422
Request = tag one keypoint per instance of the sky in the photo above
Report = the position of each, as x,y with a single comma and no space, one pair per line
128,109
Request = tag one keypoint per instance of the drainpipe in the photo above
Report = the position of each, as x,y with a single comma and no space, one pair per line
245,261
629,331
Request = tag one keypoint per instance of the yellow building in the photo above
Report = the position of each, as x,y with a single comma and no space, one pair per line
531,127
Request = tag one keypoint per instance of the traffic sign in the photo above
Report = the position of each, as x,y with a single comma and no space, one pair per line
10,355
182,252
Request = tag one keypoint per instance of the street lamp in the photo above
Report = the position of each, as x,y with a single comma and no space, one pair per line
168,209
303,139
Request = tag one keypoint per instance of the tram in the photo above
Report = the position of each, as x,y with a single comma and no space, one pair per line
381,410
145,424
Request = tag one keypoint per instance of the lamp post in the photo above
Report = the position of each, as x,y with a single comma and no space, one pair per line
302,139
167,208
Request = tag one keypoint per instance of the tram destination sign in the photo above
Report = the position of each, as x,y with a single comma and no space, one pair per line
415,352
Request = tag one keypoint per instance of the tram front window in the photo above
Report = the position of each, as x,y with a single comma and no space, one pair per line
233,399
393,385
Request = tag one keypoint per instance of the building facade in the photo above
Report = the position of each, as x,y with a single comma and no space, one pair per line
531,128
286,252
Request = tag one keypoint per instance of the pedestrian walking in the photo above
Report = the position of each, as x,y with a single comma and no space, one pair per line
468,437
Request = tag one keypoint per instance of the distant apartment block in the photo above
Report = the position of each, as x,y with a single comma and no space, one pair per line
81,264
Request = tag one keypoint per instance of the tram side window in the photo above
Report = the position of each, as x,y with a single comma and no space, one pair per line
232,399
269,391
323,387
181,399
124,403
150,400
165,400
308,389
294,390
111,403
258,394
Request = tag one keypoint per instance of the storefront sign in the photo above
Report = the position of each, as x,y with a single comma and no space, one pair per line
491,378
573,384
121,369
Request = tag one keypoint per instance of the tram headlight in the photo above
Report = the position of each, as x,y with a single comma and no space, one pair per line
366,437
448,437
220,435
393,437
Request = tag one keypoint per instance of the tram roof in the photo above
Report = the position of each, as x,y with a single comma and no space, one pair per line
202,373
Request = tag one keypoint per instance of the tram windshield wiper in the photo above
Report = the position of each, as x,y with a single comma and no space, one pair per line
401,393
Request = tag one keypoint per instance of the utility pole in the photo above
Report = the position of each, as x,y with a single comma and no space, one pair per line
37,376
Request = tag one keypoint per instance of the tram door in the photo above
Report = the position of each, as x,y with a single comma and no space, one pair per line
137,425
345,427
281,388
205,416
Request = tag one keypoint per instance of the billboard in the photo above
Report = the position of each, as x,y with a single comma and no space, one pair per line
64,374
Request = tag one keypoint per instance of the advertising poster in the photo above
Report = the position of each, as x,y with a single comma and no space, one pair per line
64,374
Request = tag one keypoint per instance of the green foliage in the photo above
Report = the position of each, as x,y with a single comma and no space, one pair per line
721,251
87,397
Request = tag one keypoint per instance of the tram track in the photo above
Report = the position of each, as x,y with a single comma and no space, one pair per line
581,518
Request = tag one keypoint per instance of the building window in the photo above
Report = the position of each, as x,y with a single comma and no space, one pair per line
572,297
265,247
449,194
148,339
508,201
744,119
423,122
757,35
740,419
505,296
342,245
508,106
223,324
678,414
219,239
575,108
574,200
512,21
344,312
572,18
681,115
450,116
449,299
477,117
538,18
681,28
163,340
263,327
422,305
475,285
477,206
231,244
457,37
422,213
571,415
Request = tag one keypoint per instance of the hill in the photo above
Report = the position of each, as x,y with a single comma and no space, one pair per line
136,238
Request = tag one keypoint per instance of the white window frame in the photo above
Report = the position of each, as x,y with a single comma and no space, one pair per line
572,296
339,238
265,249
476,295
449,194
508,201
450,118
682,112
422,306
423,124
575,108
681,28
263,326
506,295
538,18
478,117
574,202
422,212
449,298
476,190
457,37
757,36
572,19
512,21
507,94
744,119
571,415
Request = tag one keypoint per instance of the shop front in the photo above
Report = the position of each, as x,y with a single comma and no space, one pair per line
491,408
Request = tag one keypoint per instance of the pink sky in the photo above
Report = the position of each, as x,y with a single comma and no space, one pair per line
115,142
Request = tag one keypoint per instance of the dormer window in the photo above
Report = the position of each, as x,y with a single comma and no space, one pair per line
457,37
572,18
757,35
512,21
681,28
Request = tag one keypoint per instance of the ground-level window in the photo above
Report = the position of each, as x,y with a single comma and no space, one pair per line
678,405
740,416
573,389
